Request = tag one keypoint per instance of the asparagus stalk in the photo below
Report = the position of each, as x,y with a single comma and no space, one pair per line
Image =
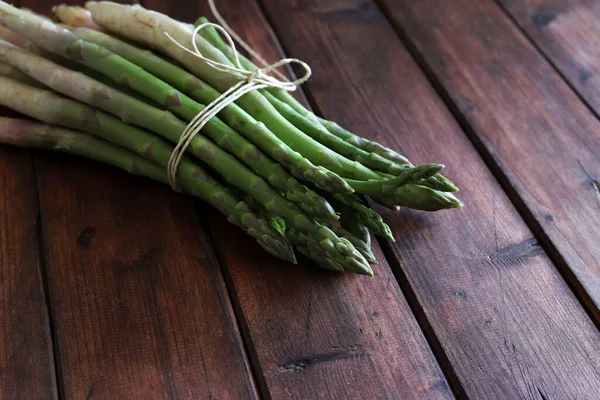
165,124
29,134
368,216
382,188
359,244
313,128
75,16
9,71
66,44
351,221
438,182
24,133
11,37
355,147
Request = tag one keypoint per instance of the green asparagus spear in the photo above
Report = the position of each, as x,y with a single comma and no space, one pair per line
359,244
304,242
314,129
383,188
368,216
351,221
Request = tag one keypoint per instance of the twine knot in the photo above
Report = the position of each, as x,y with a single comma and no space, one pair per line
250,81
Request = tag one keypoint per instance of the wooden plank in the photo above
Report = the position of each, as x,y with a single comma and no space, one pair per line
26,359
568,33
507,321
312,333
521,114
139,304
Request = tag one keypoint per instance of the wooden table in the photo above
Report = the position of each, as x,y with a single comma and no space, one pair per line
116,287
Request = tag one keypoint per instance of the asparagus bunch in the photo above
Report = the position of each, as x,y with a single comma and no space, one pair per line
270,165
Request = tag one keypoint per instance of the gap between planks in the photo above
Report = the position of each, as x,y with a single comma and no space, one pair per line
242,326
55,367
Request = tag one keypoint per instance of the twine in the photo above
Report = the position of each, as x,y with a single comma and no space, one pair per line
251,80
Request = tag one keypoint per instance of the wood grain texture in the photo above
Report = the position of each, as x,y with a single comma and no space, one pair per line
315,334
26,360
568,33
525,118
508,322
138,301
139,305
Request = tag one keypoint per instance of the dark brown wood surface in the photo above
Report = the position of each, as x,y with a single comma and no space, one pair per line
493,298
568,33
313,333
524,118
139,305
138,301
26,360
153,295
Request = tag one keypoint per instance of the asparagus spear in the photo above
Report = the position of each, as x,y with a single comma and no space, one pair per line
352,222
383,188
65,43
75,16
356,147
11,37
24,133
165,124
318,132
359,244
9,71
368,216
303,243
55,109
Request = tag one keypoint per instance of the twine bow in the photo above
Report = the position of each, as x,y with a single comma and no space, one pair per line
250,80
